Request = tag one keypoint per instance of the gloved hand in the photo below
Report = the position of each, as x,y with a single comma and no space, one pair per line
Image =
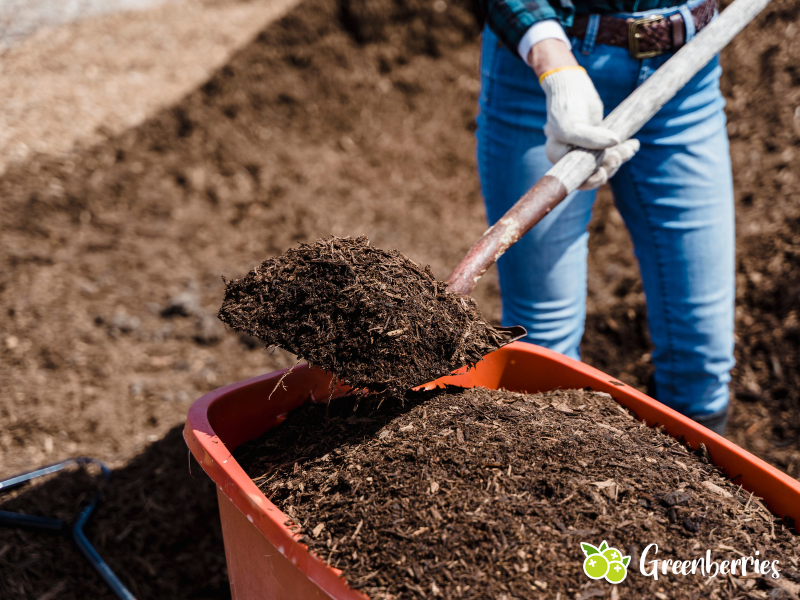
574,114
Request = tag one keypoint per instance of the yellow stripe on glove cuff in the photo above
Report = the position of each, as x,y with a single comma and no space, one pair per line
556,70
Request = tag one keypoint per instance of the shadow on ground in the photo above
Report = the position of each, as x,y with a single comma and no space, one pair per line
157,527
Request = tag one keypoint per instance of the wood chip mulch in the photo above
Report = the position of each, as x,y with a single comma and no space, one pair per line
485,494
375,318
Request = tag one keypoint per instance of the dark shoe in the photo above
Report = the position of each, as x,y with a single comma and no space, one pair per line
716,421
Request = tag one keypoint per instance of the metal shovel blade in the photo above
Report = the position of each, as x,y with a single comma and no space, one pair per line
517,332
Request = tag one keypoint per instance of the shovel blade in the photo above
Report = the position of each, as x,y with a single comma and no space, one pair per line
517,332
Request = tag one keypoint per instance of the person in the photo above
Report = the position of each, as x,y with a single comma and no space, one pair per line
550,71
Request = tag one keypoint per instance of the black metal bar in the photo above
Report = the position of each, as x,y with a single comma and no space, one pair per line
94,558
12,519
54,468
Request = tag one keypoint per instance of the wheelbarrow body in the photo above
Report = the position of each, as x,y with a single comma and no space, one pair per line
265,558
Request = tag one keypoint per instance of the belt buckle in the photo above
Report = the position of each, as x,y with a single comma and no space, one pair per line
634,36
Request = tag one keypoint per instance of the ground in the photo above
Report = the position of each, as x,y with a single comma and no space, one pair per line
354,118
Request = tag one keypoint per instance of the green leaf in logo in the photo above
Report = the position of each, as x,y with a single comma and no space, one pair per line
626,560
588,549
603,546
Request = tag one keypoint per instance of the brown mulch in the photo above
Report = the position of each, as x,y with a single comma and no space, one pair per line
489,494
373,317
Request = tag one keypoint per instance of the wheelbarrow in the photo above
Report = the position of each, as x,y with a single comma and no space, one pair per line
266,560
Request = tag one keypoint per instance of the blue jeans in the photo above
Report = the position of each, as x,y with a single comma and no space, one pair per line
675,195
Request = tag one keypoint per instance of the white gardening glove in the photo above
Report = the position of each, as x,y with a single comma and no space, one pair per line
574,116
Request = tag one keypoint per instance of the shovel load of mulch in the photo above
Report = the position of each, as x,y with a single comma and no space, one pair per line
491,494
373,317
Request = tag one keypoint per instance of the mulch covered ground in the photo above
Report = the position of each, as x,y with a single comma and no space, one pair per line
157,526
349,118
489,494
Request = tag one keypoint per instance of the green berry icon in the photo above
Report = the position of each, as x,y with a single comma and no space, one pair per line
616,572
605,562
595,566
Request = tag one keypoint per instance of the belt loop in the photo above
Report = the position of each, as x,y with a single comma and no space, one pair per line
688,21
591,34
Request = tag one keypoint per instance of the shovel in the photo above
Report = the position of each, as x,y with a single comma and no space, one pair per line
578,165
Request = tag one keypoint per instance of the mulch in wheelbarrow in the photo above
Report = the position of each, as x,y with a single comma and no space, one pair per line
373,317
490,494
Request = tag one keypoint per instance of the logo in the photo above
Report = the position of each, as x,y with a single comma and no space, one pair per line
608,563
605,563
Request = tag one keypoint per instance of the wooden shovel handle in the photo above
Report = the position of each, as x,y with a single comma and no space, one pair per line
529,210
578,165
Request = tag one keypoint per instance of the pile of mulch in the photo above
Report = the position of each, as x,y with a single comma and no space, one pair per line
489,494
373,317
157,526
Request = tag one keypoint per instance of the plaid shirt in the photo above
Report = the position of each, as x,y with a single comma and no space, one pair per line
510,19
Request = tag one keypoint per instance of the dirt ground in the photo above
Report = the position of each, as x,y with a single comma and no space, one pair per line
100,76
346,119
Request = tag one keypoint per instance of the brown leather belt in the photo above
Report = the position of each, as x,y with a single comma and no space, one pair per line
648,36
